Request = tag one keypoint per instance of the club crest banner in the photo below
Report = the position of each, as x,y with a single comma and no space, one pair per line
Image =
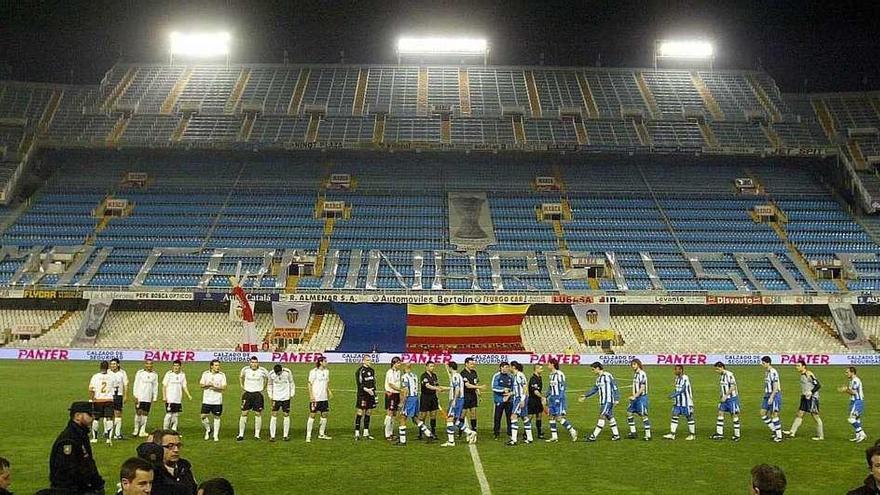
291,314
593,317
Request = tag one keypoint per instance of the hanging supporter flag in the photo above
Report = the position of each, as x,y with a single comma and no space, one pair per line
291,314
593,317
372,327
464,324
248,325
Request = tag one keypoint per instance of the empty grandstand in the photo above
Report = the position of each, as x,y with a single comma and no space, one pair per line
343,183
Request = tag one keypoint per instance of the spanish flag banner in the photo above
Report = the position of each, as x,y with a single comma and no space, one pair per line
464,324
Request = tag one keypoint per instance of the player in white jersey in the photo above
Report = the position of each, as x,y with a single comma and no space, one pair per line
609,396
319,399
557,402
772,403
409,391
519,394
809,402
456,407
145,391
252,379
856,403
281,390
213,383
173,388
102,386
638,401
120,392
392,396
728,403
683,398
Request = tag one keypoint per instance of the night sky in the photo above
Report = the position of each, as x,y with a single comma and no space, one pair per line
806,45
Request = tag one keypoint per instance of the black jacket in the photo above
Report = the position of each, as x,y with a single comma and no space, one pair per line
868,488
71,464
182,483
3,491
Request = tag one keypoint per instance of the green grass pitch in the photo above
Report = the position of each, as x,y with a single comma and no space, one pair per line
35,396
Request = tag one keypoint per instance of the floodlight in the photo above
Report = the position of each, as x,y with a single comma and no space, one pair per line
201,45
685,49
450,46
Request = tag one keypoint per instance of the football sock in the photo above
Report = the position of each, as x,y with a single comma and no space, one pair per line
117,426
647,423
796,424
357,425
600,425
216,428
242,424
258,425
286,426
692,426
401,432
206,423
514,431
322,426
527,422
553,433
719,425
673,425
309,425
631,421
273,424
614,430
820,428
736,425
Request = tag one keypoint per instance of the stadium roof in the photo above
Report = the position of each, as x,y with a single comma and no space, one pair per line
836,47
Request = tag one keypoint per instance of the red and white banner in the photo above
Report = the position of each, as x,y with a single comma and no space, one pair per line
168,355
245,314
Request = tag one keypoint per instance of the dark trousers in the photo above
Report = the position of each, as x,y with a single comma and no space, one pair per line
504,408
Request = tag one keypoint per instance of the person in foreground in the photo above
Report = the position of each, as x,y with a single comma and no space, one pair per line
871,485
135,477
174,476
767,480
72,467
216,486
5,477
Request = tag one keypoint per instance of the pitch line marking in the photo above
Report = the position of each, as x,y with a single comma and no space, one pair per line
478,468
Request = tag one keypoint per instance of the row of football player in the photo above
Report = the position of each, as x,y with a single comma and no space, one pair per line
527,402
683,402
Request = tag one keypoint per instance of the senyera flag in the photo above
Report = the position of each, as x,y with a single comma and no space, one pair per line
457,325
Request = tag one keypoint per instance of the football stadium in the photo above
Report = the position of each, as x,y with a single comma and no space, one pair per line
537,278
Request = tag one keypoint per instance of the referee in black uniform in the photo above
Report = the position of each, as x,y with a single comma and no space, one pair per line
471,391
535,404
72,467
365,380
428,402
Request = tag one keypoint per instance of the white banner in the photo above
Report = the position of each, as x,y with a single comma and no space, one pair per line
593,317
291,314
168,355
235,313
470,220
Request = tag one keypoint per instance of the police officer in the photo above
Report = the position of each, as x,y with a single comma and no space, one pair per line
71,465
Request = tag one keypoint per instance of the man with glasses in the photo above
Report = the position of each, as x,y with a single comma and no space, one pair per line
174,475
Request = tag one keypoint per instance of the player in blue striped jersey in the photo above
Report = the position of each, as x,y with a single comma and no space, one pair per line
557,402
609,396
683,398
409,393
519,399
772,403
456,405
728,403
856,403
638,401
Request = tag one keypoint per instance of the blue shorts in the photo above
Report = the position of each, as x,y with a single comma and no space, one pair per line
638,406
730,405
606,409
519,406
411,406
856,407
557,406
682,411
455,408
776,406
